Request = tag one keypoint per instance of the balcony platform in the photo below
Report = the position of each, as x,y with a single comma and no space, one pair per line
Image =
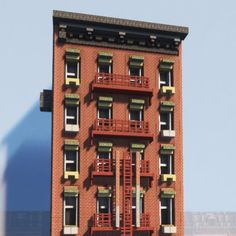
121,128
122,84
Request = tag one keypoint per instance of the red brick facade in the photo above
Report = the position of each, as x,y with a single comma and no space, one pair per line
87,186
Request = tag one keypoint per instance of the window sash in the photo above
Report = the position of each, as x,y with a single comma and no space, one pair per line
104,68
99,113
71,211
166,119
166,210
103,205
167,165
140,115
72,119
71,74
74,161
165,78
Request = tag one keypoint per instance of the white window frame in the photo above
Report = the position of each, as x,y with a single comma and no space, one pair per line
69,127
109,205
165,208
169,121
169,82
70,207
170,158
109,68
72,75
109,155
140,71
69,161
140,115
109,112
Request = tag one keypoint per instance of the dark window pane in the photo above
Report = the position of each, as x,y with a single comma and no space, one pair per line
103,155
70,216
104,68
135,71
135,115
104,113
72,112
103,203
72,69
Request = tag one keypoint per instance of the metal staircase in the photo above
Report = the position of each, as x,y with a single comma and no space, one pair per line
127,196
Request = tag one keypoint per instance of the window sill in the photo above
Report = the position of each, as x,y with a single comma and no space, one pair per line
167,90
72,128
168,133
168,229
168,178
73,174
72,81
70,230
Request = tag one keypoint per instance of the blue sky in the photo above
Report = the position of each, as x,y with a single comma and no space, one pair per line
208,79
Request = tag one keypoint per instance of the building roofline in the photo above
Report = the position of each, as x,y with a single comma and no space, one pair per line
181,31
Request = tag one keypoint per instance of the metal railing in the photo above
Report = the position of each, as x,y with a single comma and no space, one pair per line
144,220
102,165
122,80
129,126
102,220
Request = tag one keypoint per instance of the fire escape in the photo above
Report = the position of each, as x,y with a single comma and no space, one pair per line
127,196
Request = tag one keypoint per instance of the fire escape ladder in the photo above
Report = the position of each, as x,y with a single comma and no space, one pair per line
127,195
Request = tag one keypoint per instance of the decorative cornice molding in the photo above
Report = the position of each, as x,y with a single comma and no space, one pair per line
111,32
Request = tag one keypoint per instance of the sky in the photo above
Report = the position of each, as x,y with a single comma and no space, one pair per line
208,82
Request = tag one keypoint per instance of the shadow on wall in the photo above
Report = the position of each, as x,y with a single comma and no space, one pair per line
28,164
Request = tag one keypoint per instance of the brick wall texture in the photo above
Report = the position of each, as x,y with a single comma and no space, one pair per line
88,110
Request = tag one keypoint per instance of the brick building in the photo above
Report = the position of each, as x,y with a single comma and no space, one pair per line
117,156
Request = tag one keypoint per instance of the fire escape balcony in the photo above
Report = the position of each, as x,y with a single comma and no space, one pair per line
102,222
102,167
122,128
145,169
144,223
105,167
122,83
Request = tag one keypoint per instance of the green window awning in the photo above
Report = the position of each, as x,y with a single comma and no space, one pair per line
167,106
71,191
137,147
104,147
104,192
71,144
166,64
136,61
71,99
136,104
104,102
167,149
72,54
167,193
142,192
104,58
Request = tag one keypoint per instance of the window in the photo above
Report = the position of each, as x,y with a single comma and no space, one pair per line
70,210
104,205
141,208
71,160
165,78
166,73
104,113
135,71
72,67
167,211
71,112
71,118
104,64
136,115
166,121
166,164
104,68
134,160
104,155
